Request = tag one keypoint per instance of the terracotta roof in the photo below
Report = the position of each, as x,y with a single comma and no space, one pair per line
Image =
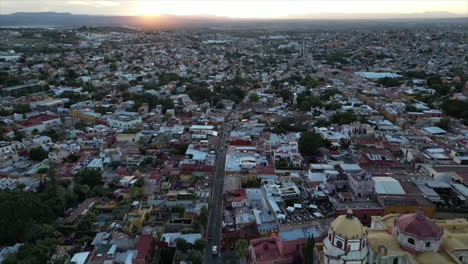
144,247
36,120
418,225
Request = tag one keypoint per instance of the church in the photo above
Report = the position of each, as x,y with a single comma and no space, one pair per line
395,239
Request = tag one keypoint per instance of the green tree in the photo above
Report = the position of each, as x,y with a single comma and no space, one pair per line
253,97
98,190
166,103
309,257
200,244
182,245
444,123
389,82
53,194
285,94
19,135
81,190
241,249
309,143
86,223
219,105
21,108
19,211
343,118
178,210
135,192
194,256
89,177
139,182
38,154
80,125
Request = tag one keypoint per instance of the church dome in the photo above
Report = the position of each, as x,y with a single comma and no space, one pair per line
348,226
419,226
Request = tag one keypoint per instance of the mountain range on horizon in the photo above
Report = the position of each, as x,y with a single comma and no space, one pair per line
169,20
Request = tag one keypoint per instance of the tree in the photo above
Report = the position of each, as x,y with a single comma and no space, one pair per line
309,251
53,194
443,123
21,108
38,154
285,94
200,244
73,158
135,192
194,256
86,223
80,125
166,103
19,211
81,190
19,135
139,182
219,105
182,245
89,177
343,118
178,209
389,82
241,249
309,143
253,97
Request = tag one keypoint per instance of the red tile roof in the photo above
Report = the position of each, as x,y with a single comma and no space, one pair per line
37,120
144,248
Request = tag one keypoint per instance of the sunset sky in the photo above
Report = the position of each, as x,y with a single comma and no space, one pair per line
235,9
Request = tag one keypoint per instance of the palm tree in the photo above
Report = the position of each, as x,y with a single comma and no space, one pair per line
241,249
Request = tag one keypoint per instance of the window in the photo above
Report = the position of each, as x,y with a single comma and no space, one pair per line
339,244
428,244
411,241
460,258
395,261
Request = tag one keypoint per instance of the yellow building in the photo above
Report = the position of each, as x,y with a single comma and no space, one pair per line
415,238
396,239
106,206
138,215
129,138
86,116
408,205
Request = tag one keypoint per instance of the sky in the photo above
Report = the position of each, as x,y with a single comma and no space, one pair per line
235,9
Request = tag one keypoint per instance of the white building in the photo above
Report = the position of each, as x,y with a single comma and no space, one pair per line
124,120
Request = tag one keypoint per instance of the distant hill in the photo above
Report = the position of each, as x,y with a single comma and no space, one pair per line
424,15
24,19
69,20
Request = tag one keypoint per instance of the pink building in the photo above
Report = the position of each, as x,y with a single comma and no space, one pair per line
272,250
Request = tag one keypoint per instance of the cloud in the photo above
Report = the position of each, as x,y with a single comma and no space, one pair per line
108,3
94,3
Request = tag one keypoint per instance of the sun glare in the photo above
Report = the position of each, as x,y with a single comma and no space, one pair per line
147,8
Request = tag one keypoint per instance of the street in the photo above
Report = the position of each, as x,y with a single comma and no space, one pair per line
216,209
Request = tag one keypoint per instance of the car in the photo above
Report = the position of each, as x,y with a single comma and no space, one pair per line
214,250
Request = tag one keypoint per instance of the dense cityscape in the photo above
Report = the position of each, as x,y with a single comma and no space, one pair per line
261,146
